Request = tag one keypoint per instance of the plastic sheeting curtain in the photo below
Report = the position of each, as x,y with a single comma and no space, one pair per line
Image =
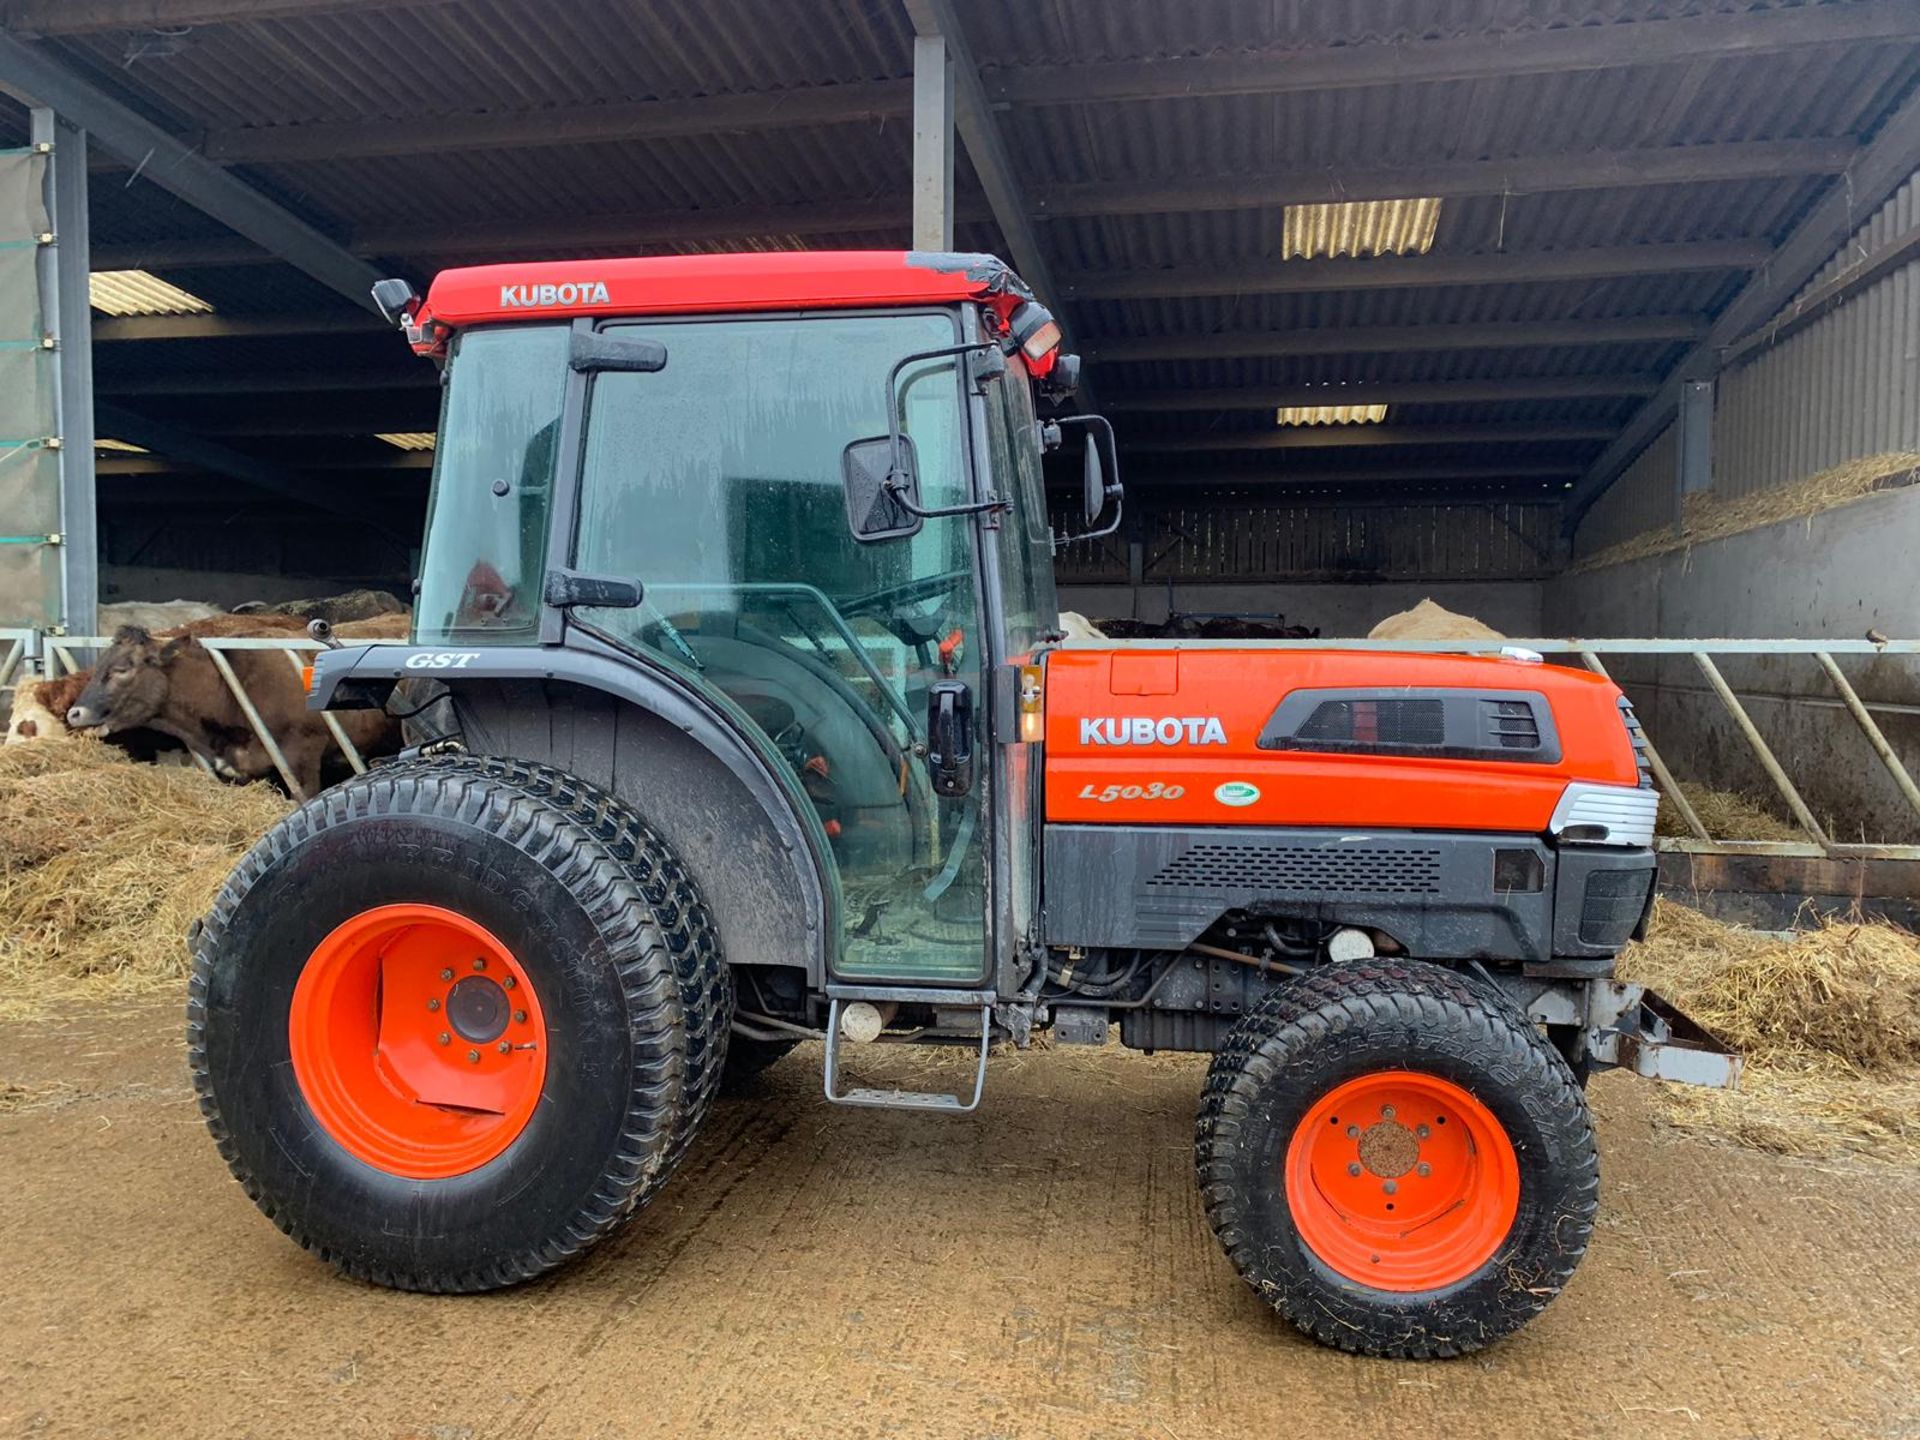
29,466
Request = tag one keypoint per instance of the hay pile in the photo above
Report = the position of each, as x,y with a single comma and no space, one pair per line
1430,620
1728,815
1829,1021
1711,516
105,862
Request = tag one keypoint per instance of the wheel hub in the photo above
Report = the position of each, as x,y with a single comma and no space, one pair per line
409,1069
1402,1181
477,1008
1389,1149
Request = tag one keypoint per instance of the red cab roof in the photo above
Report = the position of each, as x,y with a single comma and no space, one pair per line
687,284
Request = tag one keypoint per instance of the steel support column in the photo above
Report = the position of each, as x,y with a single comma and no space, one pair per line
1694,471
932,144
66,318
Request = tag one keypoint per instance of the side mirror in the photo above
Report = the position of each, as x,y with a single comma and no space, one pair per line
395,300
874,510
1097,488
1093,484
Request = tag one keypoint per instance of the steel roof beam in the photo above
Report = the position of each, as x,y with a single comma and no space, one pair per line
1393,339
1376,392
1394,272
1151,474
1345,437
633,122
474,238
82,17
256,382
127,465
1885,164
29,72
1570,49
1520,175
189,449
110,329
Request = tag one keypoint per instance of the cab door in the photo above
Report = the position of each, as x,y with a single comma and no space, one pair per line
717,482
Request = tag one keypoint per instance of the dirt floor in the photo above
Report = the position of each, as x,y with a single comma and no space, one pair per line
1041,1268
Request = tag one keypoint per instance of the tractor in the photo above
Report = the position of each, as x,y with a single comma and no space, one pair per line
740,715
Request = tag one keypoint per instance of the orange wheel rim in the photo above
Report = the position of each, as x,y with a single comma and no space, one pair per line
418,1041
1402,1181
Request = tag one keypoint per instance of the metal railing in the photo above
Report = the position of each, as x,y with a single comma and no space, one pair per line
53,655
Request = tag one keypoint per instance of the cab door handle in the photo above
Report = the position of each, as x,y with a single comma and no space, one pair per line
950,738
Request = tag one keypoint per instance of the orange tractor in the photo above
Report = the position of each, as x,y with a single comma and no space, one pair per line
740,715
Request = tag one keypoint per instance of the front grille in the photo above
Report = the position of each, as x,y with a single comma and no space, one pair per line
1611,907
1639,738
1285,869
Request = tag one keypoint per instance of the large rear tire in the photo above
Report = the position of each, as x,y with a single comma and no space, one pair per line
1396,1160
453,1022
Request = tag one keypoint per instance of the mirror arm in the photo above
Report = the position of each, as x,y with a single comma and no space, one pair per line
896,482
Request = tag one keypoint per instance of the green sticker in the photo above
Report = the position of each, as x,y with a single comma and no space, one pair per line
1236,792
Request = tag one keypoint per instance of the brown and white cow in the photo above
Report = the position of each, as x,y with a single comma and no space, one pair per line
170,684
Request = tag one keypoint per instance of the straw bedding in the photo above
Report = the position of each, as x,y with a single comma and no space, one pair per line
1710,516
104,863
1728,815
1829,1021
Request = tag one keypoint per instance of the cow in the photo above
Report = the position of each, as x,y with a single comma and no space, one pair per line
170,684
152,614
40,707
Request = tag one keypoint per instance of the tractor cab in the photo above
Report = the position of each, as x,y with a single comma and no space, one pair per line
827,498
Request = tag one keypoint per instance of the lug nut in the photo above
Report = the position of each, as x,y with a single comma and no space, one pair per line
1423,1170
446,974
1354,1168
1386,1112
508,983
473,1056
1422,1131
433,1004
478,963
504,1047
520,1016
1353,1132
1392,1187
444,1037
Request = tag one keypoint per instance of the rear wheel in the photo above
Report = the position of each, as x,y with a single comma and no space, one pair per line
452,1022
1396,1160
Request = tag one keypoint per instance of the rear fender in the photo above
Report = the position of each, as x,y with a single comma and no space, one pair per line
637,729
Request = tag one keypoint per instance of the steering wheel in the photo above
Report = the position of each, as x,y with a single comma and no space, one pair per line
907,592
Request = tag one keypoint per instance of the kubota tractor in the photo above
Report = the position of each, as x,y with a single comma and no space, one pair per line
741,715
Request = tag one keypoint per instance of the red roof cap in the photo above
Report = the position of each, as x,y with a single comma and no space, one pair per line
686,284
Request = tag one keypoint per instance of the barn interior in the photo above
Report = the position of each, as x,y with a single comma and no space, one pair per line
1576,316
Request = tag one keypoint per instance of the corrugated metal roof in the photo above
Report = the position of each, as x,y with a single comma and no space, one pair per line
412,64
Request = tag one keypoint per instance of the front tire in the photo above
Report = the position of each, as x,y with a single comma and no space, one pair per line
452,1022
1396,1160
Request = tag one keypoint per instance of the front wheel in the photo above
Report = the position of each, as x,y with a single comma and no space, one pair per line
1397,1160
452,1022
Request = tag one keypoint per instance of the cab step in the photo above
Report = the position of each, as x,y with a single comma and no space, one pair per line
922,1100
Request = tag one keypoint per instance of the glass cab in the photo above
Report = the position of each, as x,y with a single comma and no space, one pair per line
718,483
